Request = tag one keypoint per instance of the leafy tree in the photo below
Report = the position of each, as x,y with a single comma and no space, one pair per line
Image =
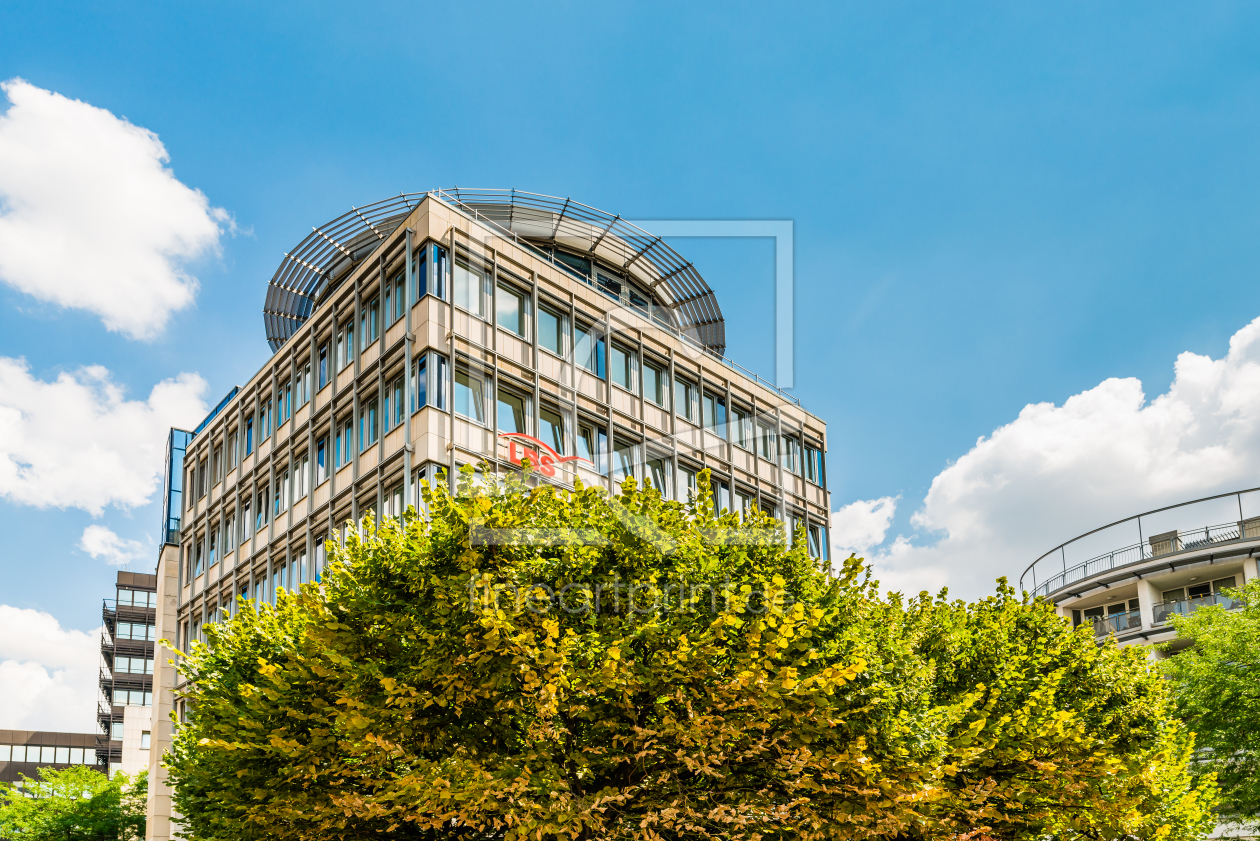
74,804
1217,689
655,672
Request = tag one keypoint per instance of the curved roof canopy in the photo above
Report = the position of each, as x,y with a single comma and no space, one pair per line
559,230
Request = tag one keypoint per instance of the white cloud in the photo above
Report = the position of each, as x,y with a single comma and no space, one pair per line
100,542
1058,471
90,216
77,442
47,673
861,525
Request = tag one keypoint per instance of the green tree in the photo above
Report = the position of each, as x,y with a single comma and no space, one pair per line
1217,688
74,804
656,672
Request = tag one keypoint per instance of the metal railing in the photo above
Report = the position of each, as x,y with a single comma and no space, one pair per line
1117,622
1184,607
1052,571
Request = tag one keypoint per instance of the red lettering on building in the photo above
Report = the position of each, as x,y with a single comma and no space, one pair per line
541,457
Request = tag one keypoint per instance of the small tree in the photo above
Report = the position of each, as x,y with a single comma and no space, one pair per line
1217,689
535,663
74,804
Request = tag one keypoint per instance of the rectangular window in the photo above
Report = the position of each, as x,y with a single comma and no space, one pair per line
320,553
345,345
658,474
302,392
201,478
300,568
369,424
321,461
216,463
370,323
323,365
550,428
741,432
393,299
721,497
431,274
589,351
744,504
342,454
264,420
214,545
623,365
301,476
418,384
284,409
283,490
229,534
766,439
246,522
551,326
813,464
656,384
510,306
260,512
623,459
233,449
713,413
592,444
470,288
144,739
394,413
791,455
686,482
512,412
197,555
470,393
684,395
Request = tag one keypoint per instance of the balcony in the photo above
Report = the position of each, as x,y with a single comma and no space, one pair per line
1202,524
1185,607
1117,623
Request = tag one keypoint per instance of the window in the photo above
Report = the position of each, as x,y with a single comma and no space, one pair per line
320,552
608,284
588,350
510,306
343,454
656,384
550,428
658,474
791,455
721,497
369,424
744,503
686,482
592,444
229,533
277,582
684,394
283,489
214,545
623,459
216,463
741,432
116,730
264,420
345,345
300,568
766,438
321,461
201,478
392,414
428,390
430,274
469,289
301,476
323,365
284,407
817,541
623,365
512,412
418,384
302,392
144,739
713,414
245,522
197,550
233,449
249,435
395,295
260,512
470,393
813,464
551,331
370,322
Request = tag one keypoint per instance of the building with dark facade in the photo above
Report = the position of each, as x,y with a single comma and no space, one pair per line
128,636
24,752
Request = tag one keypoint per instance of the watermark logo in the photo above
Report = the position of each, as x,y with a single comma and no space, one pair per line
541,456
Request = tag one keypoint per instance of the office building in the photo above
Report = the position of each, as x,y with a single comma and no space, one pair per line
24,752
128,637
433,330
1128,578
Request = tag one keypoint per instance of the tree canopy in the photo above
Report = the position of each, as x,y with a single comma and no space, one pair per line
74,804
1217,689
537,663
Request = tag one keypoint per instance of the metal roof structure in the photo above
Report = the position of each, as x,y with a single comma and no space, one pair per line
538,222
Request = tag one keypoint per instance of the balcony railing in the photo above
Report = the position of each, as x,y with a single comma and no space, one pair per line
1118,622
1055,570
1185,607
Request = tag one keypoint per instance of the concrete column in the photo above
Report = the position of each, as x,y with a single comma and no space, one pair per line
159,811
1148,597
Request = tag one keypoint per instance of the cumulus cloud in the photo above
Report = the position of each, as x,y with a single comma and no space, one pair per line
1058,471
77,442
90,216
47,673
860,525
102,543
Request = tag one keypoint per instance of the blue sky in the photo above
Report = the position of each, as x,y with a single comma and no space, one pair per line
996,205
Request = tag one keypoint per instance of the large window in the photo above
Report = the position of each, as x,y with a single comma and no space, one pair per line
588,350
551,428
684,397
766,439
592,444
369,424
392,412
658,474
430,273
470,288
321,461
343,453
791,455
302,393
813,464
741,428
511,308
656,384
395,298
623,365
370,322
470,392
713,412
428,382
284,403
345,345
623,459
513,414
249,436
264,419
686,482
323,365
551,329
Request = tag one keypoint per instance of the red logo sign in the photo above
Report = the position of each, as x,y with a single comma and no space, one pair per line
541,457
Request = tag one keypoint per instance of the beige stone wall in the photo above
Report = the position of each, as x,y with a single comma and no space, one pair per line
159,724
